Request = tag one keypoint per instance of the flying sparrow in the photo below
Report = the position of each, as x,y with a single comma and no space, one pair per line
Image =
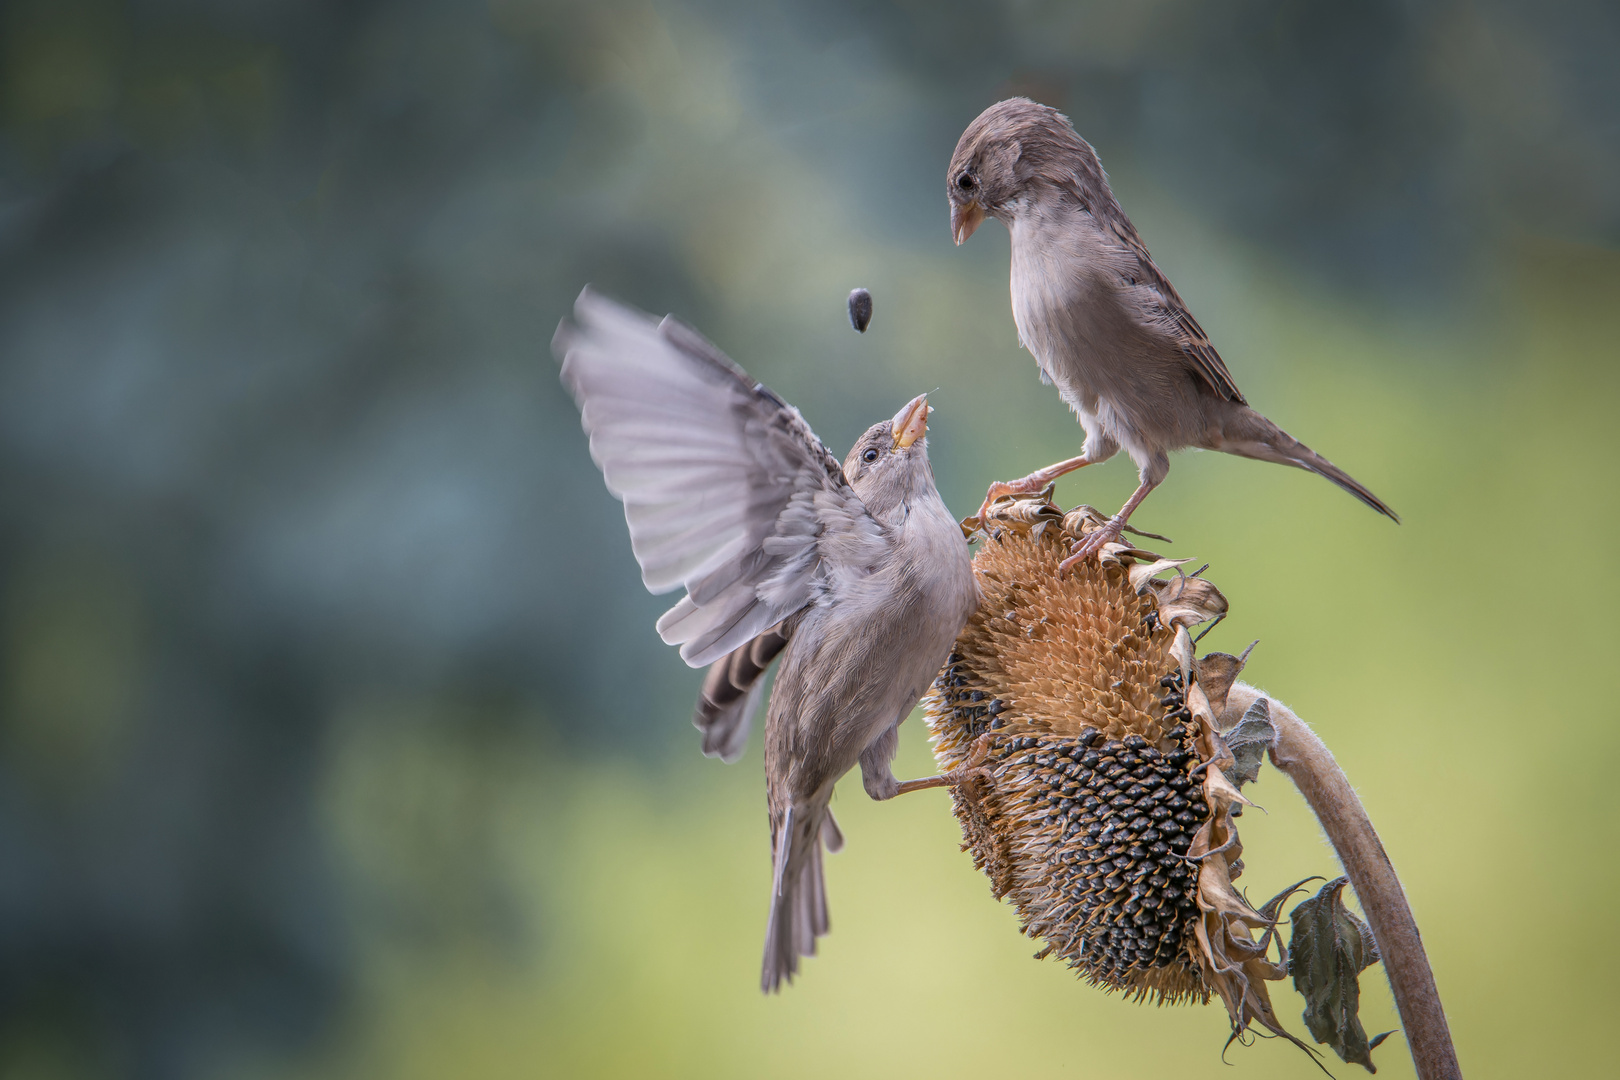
857,575
1105,325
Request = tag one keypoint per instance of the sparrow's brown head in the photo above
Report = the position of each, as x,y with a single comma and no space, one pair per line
889,463
1014,146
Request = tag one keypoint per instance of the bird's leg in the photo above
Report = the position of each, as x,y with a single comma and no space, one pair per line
877,775
1091,545
1033,484
972,767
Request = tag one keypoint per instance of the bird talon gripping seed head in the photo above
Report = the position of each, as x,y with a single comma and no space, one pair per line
1103,811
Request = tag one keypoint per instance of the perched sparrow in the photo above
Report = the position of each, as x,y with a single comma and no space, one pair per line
858,575
1104,323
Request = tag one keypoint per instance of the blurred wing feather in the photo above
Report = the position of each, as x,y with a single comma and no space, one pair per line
727,491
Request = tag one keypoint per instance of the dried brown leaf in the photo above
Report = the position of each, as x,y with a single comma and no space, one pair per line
1188,601
1083,519
1217,672
1021,515
1142,573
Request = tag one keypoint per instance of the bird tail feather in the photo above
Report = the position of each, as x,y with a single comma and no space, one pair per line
798,895
1258,438
731,693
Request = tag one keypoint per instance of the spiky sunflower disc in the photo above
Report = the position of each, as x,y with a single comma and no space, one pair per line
1095,800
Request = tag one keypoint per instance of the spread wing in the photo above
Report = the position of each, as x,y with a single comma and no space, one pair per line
726,490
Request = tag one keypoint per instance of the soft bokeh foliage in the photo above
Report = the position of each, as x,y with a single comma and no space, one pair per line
334,735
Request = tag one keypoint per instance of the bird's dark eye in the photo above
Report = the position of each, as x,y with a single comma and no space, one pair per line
870,455
965,181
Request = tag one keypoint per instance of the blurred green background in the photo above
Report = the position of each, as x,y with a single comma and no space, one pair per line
335,738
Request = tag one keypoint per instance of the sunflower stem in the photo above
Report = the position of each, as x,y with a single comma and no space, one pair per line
1298,752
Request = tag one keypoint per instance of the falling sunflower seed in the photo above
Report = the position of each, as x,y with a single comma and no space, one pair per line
860,309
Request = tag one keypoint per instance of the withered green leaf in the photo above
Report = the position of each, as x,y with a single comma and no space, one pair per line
1330,947
1249,740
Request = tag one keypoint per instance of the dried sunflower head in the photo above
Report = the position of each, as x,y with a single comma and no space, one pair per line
1102,807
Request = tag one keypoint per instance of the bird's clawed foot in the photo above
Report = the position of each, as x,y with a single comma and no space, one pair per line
1033,484
1090,546
1001,489
972,769
954,778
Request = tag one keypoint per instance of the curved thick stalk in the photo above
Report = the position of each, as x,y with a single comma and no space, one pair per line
1297,751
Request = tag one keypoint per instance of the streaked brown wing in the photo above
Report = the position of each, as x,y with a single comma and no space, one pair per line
1195,345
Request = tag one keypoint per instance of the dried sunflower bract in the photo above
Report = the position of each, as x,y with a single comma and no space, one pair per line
1097,796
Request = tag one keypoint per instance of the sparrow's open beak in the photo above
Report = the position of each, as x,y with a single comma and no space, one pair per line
966,218
911,422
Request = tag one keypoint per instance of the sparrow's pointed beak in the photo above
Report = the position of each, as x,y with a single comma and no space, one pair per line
964,219
911,422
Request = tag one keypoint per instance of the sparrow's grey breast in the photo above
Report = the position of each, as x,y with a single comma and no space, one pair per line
855,667
1085,312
